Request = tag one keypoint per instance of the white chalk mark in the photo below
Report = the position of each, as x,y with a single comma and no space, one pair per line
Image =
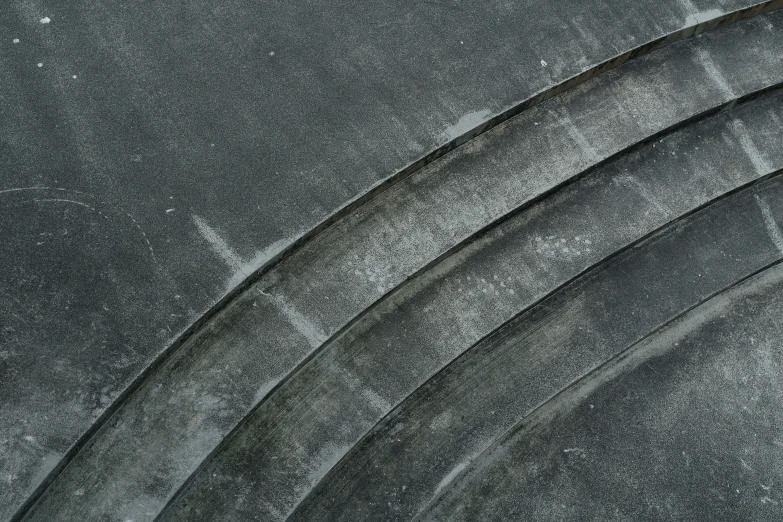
543,63
243,269
756,158
466,124
45,20
565,120
646,194
315,337
696,17
716,74
772,227
219,245
451,476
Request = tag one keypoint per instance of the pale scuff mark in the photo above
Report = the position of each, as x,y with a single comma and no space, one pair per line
565,120
761,165
465,124
696,17
219,245
715,73
630,181
242,269
769,220
315,337
451,476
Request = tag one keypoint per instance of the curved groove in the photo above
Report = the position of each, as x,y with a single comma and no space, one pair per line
464,243
350,207
583,381
594,267
483,231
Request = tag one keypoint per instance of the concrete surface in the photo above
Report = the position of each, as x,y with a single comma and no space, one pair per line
321,413
156,157
684,425
179,416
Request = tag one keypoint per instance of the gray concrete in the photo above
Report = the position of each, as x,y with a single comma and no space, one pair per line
312,421
134,465
160,154
684,425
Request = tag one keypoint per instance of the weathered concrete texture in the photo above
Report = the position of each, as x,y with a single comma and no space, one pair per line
157,439
610,208
155,155
311,422
684,425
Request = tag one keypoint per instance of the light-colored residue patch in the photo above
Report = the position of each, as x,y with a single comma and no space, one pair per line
632,182
45,20
39,64
74,76
260,259
702,16
543,63
243,268
377,402
451,476
715,73
218,244
465,124
696,17
15,40
772,226
315,337
756,158
565,120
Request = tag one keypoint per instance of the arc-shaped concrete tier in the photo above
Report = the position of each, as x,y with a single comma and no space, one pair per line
156,306
322,412
682,425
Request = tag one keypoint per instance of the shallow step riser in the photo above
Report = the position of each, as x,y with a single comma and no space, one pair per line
451,429
423,327
701,393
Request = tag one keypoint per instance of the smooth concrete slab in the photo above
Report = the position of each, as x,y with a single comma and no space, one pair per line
684,425
179,416
289,444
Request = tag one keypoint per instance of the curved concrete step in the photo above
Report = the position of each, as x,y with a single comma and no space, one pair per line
161,435
313,421
254,150
440,429
684,425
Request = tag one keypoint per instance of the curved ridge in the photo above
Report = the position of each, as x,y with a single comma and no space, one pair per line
204,321
618,365
254,430
392,428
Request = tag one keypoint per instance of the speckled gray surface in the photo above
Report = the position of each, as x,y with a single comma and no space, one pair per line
152,157
685,425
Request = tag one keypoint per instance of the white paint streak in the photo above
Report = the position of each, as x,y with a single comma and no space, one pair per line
716,74
243,269
465,124
565,120
756,158
315,337
450,477
696,17
219,245
772,227
630,181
